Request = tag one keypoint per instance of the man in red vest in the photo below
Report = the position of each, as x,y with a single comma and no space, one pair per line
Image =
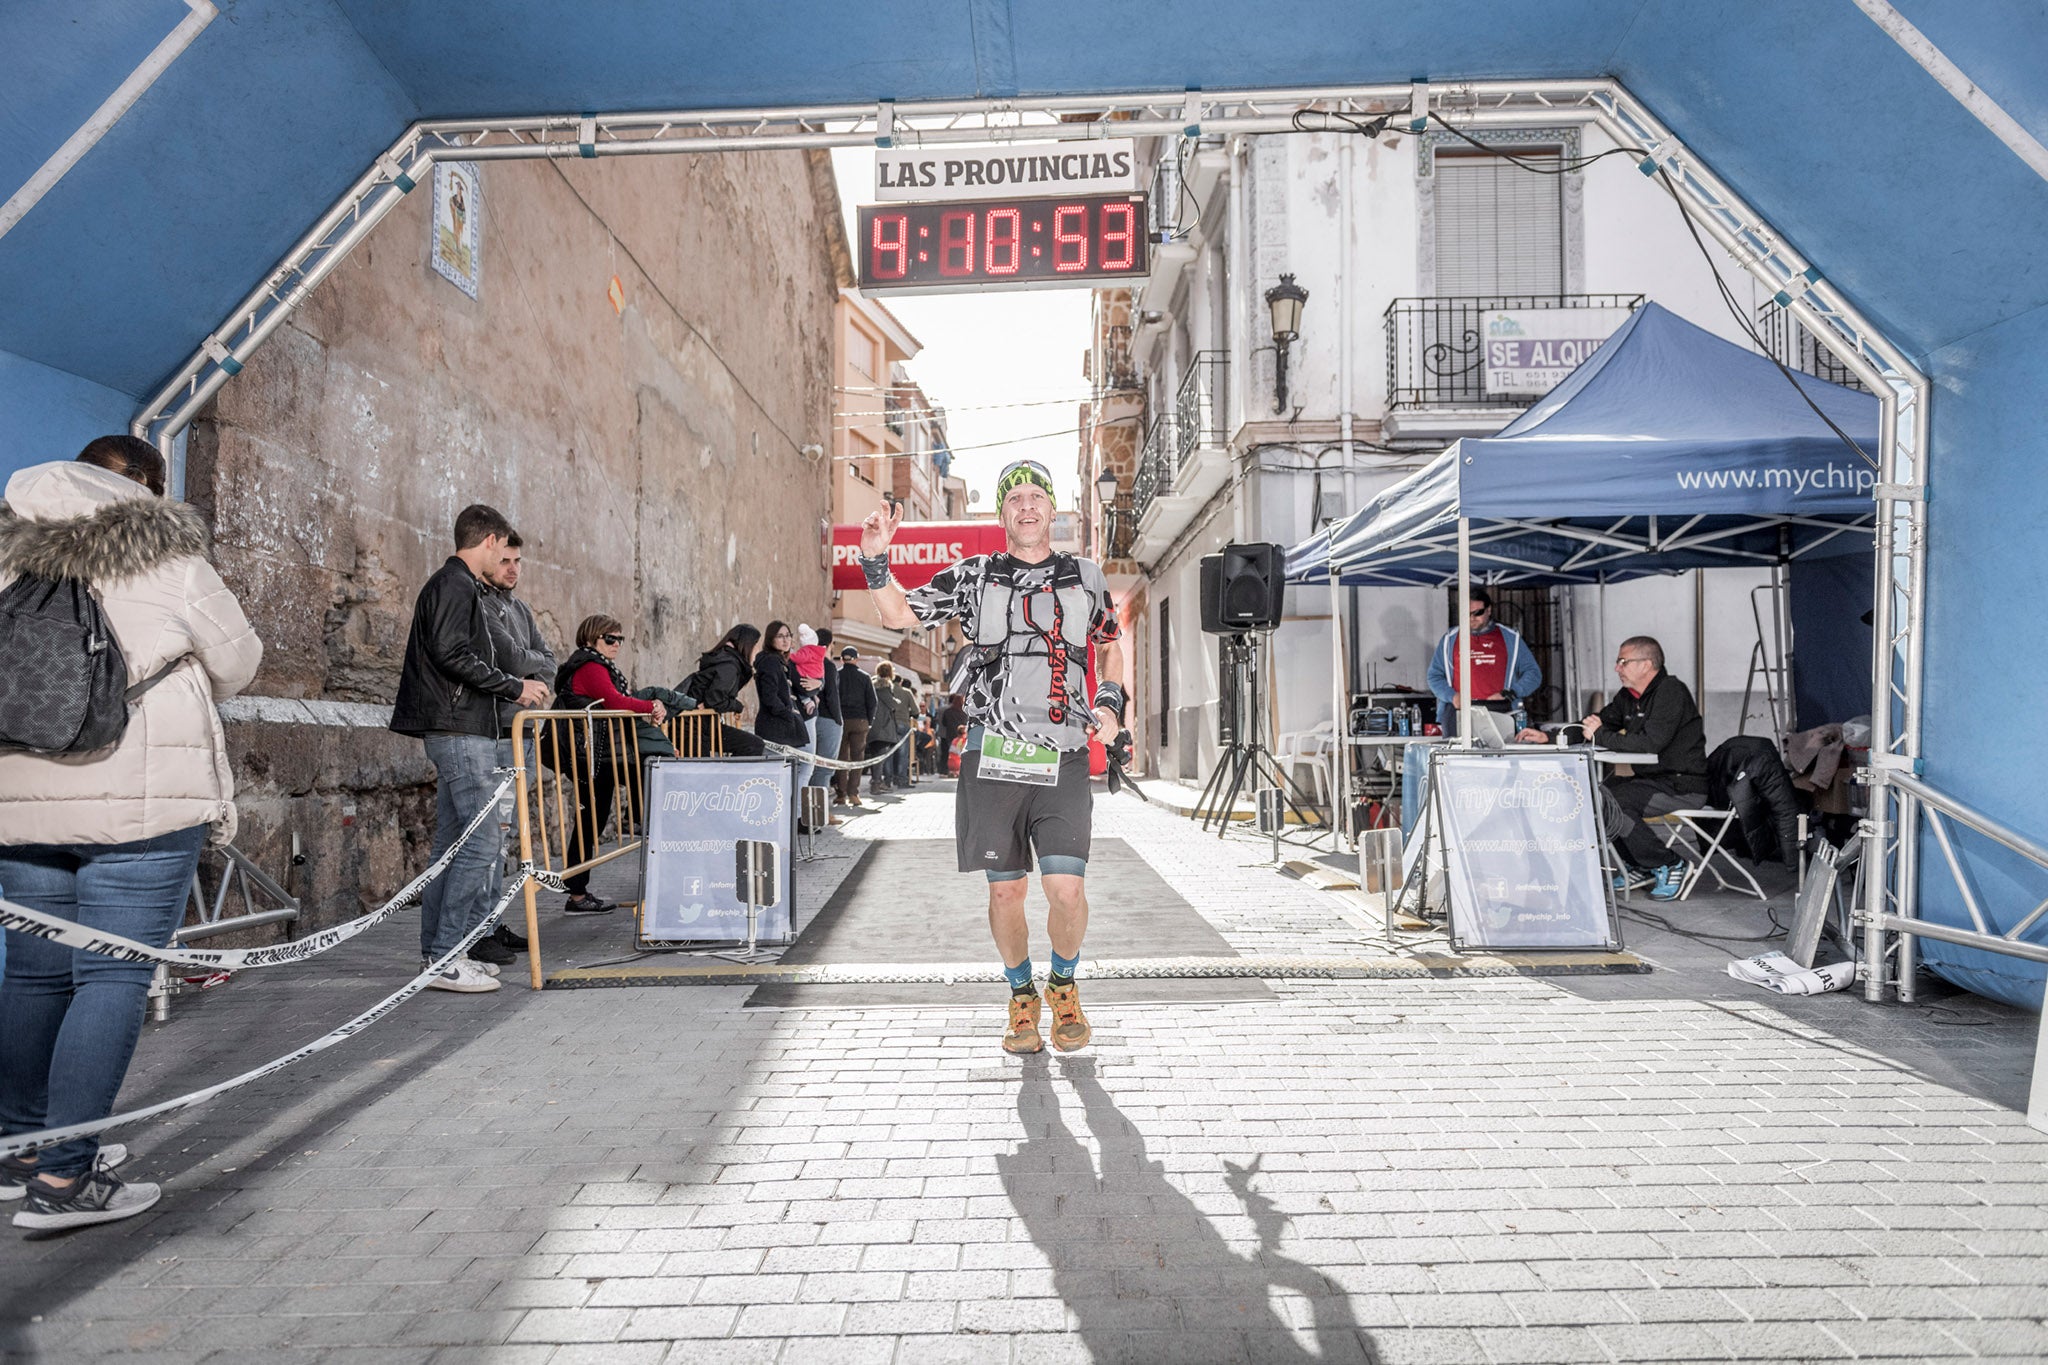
1504,672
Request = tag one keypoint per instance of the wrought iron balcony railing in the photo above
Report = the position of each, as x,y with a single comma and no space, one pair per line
1436,352
1200,404
1119,531
1787,339
1157,464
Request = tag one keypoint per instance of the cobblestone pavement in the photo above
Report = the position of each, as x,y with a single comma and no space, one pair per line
1663,1167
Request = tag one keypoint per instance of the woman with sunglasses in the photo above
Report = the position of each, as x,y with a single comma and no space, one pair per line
590,679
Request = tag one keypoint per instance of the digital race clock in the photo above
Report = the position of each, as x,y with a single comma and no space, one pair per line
1032,243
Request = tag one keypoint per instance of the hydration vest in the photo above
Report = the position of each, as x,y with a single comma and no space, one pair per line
1015,625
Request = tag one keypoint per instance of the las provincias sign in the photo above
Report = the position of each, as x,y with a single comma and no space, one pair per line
917,174
920,549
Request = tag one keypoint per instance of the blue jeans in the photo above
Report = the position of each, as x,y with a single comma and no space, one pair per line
830,732
457,901
804,770
69,1020
899,766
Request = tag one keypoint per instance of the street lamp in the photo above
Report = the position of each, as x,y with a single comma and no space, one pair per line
1105,493
1285,300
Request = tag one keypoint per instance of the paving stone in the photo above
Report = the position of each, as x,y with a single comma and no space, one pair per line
1660,1167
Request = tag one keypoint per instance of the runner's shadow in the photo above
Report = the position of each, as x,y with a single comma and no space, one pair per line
1143,1272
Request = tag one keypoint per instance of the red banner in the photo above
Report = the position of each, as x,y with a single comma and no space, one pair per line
921,549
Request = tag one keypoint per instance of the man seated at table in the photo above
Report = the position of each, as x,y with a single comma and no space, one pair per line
1504,672
1653,713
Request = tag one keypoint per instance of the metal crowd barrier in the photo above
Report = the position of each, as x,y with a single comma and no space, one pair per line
555,755
1917,799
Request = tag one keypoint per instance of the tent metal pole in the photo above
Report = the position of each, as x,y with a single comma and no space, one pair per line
1340,730
1464,610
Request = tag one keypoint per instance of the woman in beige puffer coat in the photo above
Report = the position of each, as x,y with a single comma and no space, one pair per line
107,839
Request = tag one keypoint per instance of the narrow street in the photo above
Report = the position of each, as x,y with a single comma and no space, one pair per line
1669,1165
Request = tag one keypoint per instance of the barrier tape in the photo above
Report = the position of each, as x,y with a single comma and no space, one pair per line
844,765
28,1142
77,936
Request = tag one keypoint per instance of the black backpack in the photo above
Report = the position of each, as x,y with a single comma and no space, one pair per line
65,689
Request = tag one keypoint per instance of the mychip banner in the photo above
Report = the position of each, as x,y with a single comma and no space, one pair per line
1520,832
699,810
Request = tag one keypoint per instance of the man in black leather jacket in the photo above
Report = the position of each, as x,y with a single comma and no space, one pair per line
448,694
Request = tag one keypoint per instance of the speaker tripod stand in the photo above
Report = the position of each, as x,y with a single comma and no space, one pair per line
1246,763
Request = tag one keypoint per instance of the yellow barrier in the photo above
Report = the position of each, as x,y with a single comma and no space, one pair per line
582,762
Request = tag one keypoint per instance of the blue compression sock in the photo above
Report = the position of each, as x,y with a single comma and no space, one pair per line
1019,977
1063,968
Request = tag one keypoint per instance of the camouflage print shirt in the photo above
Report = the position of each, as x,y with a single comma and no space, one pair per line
1029,629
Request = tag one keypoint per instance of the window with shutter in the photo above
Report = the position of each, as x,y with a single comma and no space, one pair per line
1499,227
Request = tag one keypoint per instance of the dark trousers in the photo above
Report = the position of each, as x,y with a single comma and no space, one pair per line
853,746
1630,800
597,808
742,743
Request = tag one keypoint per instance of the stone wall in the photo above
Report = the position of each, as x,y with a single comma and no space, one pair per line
649,452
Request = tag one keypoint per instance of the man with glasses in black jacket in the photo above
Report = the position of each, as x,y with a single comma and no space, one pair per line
1653,713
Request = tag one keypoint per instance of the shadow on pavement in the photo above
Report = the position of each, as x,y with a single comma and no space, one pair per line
1979,1047
1142,1271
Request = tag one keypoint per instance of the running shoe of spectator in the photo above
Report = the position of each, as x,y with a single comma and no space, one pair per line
15,1173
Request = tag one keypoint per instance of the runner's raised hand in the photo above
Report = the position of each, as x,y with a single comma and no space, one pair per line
880,528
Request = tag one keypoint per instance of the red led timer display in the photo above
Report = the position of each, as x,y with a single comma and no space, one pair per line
985,243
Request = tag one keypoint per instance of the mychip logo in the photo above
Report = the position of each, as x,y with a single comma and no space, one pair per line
756,801
1549,797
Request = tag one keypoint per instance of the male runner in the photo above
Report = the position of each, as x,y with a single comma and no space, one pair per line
1029,616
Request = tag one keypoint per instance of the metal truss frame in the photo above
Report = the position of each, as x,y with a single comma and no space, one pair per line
1795,283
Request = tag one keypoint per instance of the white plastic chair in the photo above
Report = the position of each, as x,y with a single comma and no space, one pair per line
1317,747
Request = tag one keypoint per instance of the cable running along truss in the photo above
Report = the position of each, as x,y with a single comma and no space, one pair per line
1794,283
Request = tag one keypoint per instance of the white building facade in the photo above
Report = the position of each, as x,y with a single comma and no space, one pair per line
1402,242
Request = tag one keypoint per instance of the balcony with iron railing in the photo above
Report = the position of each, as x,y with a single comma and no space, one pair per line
1786,339
1119,532
1437,387
1200,405
1156,462
1436,352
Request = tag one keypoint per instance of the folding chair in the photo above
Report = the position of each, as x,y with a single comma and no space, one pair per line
1707,853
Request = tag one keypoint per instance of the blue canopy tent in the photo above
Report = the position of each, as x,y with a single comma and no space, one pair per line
1669,449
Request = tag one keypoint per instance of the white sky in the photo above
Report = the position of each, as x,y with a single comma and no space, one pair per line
991,348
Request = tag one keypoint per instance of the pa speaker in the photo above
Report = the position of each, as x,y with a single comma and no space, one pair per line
1243,588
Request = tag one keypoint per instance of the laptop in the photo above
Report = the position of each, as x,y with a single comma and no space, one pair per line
1492,729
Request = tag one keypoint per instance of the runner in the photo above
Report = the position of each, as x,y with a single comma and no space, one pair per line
1029,616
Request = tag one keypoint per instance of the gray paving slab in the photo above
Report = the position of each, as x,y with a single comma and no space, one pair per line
1668,1167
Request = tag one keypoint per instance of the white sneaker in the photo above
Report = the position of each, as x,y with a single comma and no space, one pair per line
15,1173
464,976
99,1198
487,968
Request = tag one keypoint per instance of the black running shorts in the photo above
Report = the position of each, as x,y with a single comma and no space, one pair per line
998,825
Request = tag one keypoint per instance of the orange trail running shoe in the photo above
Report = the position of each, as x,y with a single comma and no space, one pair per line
1070,1030
1023,1034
